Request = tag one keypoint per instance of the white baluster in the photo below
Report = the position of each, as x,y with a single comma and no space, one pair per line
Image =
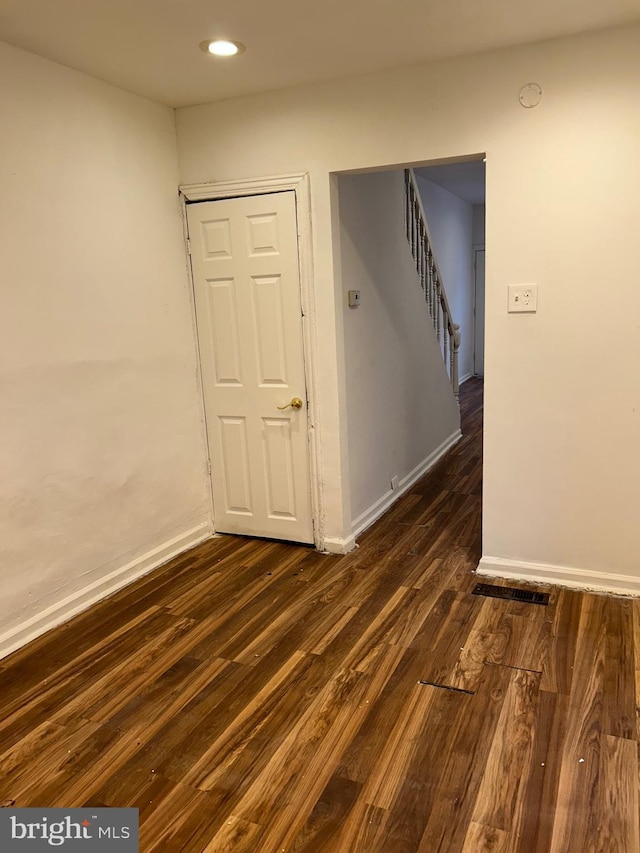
407,206
412,219
432,300
414,234
445,343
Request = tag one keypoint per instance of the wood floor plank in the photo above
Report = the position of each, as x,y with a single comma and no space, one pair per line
361,828
461,766
486,839
558,665
444,634
535,828
328,816
521,642
310,750
359,760
29,772
619,827
382,786
327,631
235,834
261,697
63,685
176,819
500,800
577,817
103,697
412,794
200,762
619,674
85,770
635,615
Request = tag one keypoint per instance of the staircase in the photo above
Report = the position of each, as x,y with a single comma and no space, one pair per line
447,332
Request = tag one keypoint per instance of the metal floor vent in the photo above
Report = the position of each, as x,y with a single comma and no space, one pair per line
509,594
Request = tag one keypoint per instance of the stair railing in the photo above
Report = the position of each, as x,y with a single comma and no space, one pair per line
447,332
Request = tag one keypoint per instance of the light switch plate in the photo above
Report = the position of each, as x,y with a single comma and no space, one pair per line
523,298
354,298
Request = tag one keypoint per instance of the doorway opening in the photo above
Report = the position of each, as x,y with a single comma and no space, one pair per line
402,411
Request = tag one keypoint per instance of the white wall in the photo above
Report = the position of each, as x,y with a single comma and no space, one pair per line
450,221
101,443
562,473
400,406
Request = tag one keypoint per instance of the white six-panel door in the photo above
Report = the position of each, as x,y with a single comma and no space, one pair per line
244,257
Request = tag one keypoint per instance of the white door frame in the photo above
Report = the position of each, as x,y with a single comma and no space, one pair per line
299,183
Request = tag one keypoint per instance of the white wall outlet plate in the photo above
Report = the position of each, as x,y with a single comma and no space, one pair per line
523,298
354,298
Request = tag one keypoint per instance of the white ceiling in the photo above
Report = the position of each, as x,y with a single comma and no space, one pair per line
466,180
151,46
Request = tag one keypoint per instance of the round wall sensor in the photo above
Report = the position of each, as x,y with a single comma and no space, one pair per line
530,95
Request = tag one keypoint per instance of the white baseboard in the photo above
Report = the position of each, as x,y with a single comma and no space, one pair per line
465,377
78,601
334,545
373,513
586,580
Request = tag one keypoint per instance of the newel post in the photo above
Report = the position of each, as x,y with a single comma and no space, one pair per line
455,346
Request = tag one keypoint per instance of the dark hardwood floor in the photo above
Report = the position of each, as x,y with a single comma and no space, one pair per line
261,697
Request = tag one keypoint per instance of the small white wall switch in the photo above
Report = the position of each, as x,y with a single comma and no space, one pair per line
354,298
523,298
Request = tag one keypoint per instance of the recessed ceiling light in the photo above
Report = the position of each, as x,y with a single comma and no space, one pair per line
222,47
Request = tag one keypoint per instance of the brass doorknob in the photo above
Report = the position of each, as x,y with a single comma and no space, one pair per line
296,403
